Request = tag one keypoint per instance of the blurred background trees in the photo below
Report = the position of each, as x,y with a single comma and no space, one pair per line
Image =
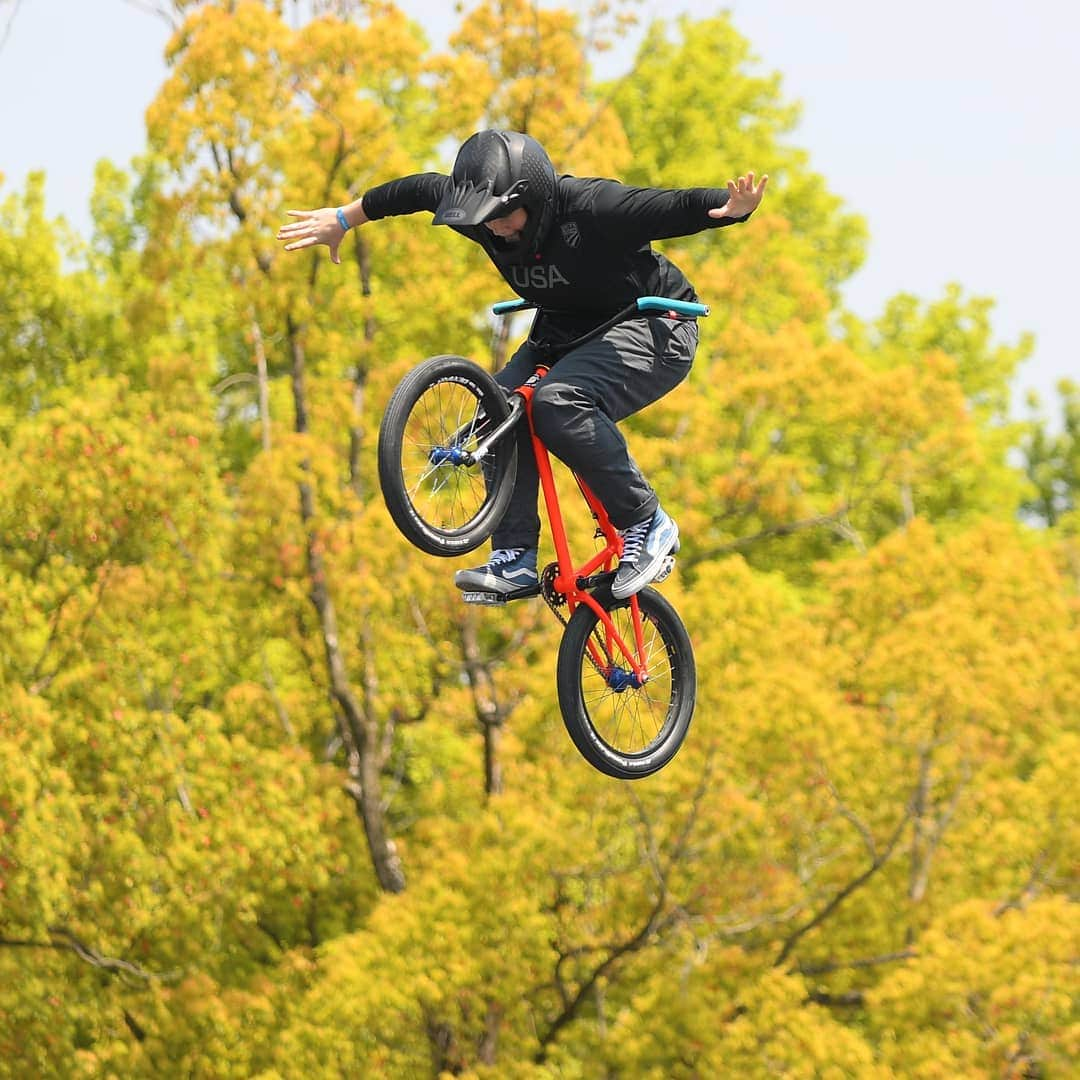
273,803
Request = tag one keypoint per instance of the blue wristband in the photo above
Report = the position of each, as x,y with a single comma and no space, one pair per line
345,226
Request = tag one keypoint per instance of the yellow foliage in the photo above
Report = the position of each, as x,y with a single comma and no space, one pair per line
861,863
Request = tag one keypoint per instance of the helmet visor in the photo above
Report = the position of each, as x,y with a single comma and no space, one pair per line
467,204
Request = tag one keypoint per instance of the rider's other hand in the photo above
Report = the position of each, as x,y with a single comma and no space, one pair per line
311,228
743,197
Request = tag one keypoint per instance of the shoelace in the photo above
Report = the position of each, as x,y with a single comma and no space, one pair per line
504,555
634,540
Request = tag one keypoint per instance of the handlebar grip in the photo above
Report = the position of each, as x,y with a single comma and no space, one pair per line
662,303
504,307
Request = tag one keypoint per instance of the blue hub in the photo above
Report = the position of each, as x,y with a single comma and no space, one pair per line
448,455
619,680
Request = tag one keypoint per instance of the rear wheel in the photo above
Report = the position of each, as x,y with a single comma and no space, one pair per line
434,418
623,727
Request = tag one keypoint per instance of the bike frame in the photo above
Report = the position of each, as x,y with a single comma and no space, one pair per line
573,581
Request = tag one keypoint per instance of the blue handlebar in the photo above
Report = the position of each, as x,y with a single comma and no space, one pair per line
504,307
662,303
644,303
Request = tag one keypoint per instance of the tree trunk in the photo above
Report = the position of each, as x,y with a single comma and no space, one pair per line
489,714
358,730
356,432
500,342
264,384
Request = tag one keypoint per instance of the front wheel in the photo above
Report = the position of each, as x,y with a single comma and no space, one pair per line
433,421
624,728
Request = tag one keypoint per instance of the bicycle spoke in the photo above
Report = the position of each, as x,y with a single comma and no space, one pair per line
450,495
629,719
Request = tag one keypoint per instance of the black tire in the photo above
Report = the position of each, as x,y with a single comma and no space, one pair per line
445,509
634,732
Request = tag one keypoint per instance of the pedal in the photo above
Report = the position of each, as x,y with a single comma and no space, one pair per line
665,569
495,599
490,599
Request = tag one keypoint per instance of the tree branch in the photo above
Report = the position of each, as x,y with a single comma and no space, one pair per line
837,522
852,965
655,923
852,818
652,926
152,9
41,682
852,999
10,23
63,940
876,864
1035,878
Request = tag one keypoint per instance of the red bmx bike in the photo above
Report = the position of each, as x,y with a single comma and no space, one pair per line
447,461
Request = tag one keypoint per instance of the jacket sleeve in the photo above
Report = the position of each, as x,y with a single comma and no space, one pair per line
406,195
637,215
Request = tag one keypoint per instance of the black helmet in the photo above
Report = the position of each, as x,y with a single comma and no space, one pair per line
495,173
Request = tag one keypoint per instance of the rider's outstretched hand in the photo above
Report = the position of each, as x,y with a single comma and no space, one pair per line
743,197
313,227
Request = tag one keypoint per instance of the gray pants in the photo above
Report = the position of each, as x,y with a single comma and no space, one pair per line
576,408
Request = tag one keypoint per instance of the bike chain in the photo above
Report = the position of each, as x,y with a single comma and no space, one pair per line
556,600
552,597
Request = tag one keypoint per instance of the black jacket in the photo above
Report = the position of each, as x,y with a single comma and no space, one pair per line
596,257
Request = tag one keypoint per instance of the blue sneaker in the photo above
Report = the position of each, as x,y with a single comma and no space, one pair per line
503,577
647,550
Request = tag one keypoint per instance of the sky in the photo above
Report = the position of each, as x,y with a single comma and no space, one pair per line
952,126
